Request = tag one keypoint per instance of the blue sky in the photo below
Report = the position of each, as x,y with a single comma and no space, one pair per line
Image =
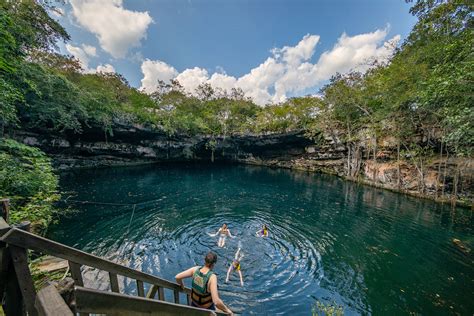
231,38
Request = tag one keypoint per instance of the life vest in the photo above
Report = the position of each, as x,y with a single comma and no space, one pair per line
199,292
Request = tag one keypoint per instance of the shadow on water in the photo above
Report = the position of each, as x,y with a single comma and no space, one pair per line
369,250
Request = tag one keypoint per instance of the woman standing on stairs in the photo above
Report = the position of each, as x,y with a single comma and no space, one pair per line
204,285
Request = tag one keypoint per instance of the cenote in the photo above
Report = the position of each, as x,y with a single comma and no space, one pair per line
368,250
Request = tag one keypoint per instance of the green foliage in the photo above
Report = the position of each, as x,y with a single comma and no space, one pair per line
327,309
27,178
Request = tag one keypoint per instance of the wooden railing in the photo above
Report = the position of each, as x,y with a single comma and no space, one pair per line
20,291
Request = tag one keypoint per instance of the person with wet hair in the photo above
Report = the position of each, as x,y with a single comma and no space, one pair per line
223,232
204,293
235,266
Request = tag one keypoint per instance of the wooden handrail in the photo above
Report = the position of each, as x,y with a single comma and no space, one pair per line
103,302
28,240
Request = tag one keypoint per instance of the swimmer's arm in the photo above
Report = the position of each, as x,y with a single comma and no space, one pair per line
230,235
183,275
237,254
215,296
214,235
241,278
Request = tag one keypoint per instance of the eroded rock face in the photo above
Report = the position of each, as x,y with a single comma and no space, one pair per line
131,145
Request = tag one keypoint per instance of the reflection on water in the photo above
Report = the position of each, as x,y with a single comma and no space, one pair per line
369,250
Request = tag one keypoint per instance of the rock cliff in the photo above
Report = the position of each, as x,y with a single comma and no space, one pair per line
137,145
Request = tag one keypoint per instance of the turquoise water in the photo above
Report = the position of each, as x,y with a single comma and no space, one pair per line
370,251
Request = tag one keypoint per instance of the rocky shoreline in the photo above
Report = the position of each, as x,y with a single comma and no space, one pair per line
133,145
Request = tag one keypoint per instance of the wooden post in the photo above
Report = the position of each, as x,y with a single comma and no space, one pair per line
114,286
140,288
176,296
23,275
76,274
161,293
5,204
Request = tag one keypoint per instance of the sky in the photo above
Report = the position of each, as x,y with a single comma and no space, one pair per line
271,49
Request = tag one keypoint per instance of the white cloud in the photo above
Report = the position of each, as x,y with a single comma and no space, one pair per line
154,71
82,53
116,28
190,79
90,50
289,70
107,68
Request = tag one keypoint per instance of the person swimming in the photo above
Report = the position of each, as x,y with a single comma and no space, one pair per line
263,232
235,266
223,232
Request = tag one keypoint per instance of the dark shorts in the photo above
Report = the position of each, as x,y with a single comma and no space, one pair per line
212,307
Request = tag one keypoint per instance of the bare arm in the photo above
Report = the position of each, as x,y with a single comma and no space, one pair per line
215,295
185,274
230,235
214,235
237,254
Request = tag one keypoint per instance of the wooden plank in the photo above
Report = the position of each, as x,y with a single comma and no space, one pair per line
176,296
161,293
76,274
20,263
152,291
13,301
140,288
50,303
103,302
49,264
40,244
114,286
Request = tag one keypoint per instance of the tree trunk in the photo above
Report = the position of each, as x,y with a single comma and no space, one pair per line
439,169
399,180
455,186
444,173
374,174
422,177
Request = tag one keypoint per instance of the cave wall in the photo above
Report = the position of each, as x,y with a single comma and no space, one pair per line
138,145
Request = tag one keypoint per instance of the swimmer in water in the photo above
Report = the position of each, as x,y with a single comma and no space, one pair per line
262,232
223,232
235,266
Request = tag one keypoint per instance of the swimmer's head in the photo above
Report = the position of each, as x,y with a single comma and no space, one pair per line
224,226
265,226
211,259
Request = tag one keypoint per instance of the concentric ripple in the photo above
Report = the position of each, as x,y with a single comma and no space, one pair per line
367,250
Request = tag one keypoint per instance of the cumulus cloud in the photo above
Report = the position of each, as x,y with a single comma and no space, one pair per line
82,53
190,79
290,70
107,68
153,71
116,28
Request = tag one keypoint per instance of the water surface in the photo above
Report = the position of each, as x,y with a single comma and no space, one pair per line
368,250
